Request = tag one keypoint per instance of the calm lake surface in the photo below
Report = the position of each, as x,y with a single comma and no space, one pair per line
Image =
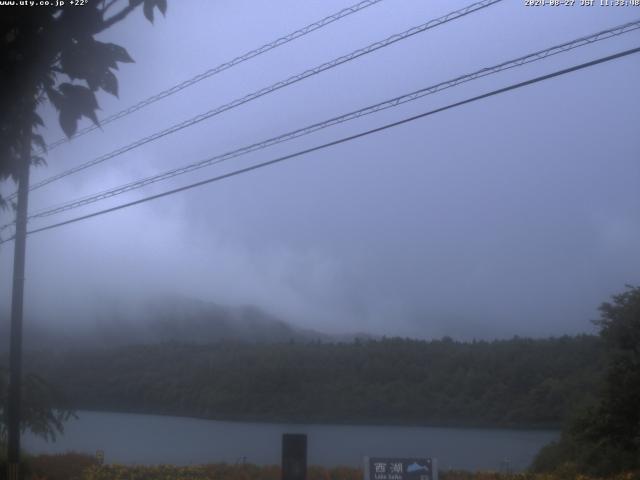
150,439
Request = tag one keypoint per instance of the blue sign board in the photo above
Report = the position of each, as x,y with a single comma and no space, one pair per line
382,468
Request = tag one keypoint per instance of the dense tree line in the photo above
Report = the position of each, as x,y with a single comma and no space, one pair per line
518,382
603,436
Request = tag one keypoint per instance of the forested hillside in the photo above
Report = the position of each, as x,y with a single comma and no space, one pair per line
158,320
518,382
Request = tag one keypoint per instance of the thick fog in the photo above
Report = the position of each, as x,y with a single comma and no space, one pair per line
514,215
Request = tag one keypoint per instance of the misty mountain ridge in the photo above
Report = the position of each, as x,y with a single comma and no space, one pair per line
163,319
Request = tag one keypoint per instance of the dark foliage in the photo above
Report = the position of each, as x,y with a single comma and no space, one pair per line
44,409
51,54
519,382
605,437
67,466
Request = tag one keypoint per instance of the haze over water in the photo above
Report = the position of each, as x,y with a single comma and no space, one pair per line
148,439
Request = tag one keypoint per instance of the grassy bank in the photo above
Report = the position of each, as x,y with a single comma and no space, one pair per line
73,466
252,472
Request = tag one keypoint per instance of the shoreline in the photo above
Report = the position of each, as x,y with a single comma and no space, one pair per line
332,422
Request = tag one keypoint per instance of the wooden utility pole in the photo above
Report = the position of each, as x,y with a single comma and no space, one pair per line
15,348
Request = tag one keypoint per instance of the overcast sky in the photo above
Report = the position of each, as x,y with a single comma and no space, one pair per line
515,215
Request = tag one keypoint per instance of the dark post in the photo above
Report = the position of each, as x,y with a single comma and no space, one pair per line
294,456
15,348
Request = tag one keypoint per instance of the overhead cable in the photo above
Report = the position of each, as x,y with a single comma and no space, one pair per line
345,12
474,7
340,141
402,99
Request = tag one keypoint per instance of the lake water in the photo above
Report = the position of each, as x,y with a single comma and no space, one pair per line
150,439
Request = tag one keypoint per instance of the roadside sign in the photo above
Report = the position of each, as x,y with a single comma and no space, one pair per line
387,468
294,456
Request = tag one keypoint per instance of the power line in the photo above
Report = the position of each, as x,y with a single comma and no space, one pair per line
222,67
342,140
523,60
276,86
211,72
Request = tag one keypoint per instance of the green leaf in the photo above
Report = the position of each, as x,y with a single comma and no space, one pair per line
109,83
55,98
68,121
80,96
77,101
147,9
91,60
149,5
119,53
